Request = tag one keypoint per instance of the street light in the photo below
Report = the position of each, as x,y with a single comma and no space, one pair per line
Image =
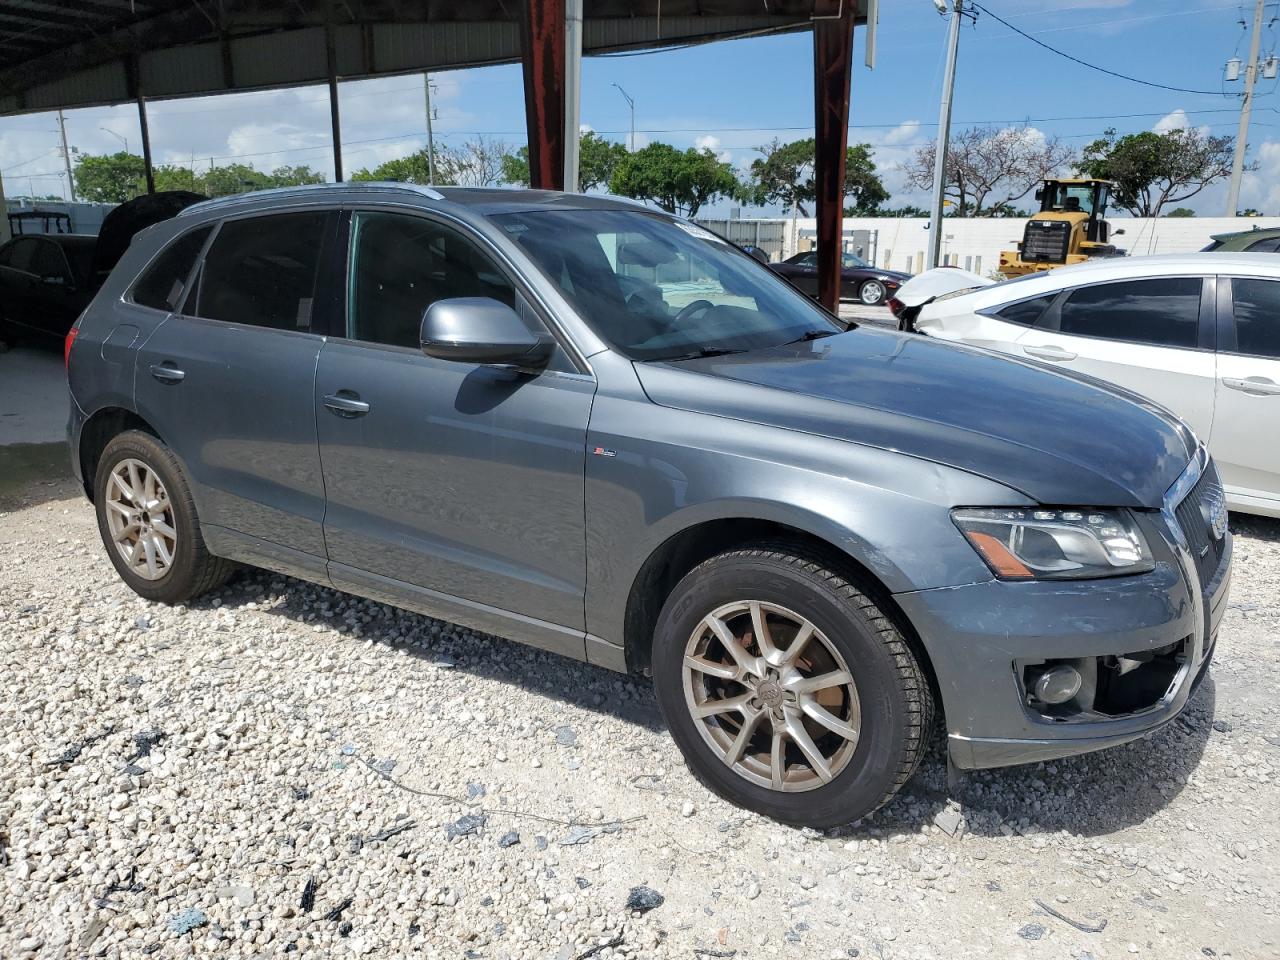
631,142
123,139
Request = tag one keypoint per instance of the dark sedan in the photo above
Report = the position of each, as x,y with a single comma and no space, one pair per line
859,280
45,282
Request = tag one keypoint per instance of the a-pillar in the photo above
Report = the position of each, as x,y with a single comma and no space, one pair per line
542,55
832,72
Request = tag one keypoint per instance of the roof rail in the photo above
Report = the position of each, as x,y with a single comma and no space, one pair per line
377,186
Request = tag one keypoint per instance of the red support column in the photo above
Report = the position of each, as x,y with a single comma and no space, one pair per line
833,71
542,36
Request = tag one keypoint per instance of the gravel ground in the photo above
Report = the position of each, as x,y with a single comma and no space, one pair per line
283,768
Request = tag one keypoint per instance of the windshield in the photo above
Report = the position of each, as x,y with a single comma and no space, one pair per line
659,289
853,260
1070,198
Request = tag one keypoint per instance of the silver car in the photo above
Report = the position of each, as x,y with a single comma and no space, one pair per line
603,431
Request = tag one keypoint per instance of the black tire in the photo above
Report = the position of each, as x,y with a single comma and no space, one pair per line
872,293
194,569
896,700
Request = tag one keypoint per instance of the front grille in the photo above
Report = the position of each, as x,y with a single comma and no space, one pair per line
1193,517
1045,241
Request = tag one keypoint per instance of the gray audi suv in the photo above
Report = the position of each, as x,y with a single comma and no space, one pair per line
594,428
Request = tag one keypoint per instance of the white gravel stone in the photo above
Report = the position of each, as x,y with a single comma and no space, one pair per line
302,727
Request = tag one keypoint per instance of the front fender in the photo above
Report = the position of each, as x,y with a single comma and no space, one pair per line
888,511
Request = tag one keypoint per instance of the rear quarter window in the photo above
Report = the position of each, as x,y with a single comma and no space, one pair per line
1025,313
164,283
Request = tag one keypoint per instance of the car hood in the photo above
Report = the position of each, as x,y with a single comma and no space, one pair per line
934,283
1056,437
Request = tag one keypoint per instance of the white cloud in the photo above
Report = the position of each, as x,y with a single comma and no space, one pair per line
906,131
1172,121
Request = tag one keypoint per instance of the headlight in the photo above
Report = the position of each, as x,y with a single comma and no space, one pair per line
1041,544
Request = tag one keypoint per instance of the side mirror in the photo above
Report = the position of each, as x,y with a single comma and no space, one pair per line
1116,233
482,330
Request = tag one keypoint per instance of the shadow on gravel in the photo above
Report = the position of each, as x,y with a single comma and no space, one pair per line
35,473
1261,528
626,696
1091,795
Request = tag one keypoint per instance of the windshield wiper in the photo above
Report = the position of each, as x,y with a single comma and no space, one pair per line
813,335
699,354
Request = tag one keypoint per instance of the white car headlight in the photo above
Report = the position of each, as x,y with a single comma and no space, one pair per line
1020,543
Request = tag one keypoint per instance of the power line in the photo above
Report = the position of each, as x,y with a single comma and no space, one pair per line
1093,66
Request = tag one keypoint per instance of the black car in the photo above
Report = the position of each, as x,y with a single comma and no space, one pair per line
859,280
45,282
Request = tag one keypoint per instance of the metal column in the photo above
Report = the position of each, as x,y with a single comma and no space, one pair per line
542,55
5,235
833,72
135,91
335,122
572,91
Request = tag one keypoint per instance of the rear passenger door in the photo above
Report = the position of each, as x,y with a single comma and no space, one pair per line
227,379
1146,335
1246,426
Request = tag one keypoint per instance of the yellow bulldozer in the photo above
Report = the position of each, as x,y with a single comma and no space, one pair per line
1068,229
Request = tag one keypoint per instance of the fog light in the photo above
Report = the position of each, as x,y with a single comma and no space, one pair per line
1057,684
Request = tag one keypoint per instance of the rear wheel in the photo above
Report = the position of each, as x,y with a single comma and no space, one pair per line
787,689
872,293
148,522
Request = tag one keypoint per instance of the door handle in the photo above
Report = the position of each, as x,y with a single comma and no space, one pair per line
166,373
1049,352
1258,386
346,403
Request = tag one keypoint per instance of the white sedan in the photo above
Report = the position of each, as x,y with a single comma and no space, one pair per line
1198,333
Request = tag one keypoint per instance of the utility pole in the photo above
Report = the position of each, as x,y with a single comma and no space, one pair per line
944,132
66,156
631,140
1246,108
431,140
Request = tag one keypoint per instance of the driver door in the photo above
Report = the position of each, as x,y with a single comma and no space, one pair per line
452,488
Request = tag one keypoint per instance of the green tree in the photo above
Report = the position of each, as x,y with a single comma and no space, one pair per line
679,182
112,178
411,169
173,177
597,159
1152,169
784,175
1181,212
906,211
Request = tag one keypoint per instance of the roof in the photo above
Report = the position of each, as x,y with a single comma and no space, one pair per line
96,52
1255,232
484,200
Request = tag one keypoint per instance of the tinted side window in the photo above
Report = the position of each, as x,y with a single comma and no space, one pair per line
20,254
403,264
1165,312
1269,245
163,284
263,271
48,261
1257,312
1026,312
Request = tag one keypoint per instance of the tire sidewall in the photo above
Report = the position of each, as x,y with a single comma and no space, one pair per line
871,774
147,449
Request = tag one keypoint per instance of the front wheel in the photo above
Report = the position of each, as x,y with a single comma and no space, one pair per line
787,689
872,293
148,522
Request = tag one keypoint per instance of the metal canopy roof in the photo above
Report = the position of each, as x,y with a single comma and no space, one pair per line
78,53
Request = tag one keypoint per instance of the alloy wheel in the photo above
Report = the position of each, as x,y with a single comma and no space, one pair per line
872,292
140,519
771,696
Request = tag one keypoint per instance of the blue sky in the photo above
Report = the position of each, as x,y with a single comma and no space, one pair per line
736,95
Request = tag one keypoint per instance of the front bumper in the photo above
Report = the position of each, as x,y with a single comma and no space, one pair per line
979,637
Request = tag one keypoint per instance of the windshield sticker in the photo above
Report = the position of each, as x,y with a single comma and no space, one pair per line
696,231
